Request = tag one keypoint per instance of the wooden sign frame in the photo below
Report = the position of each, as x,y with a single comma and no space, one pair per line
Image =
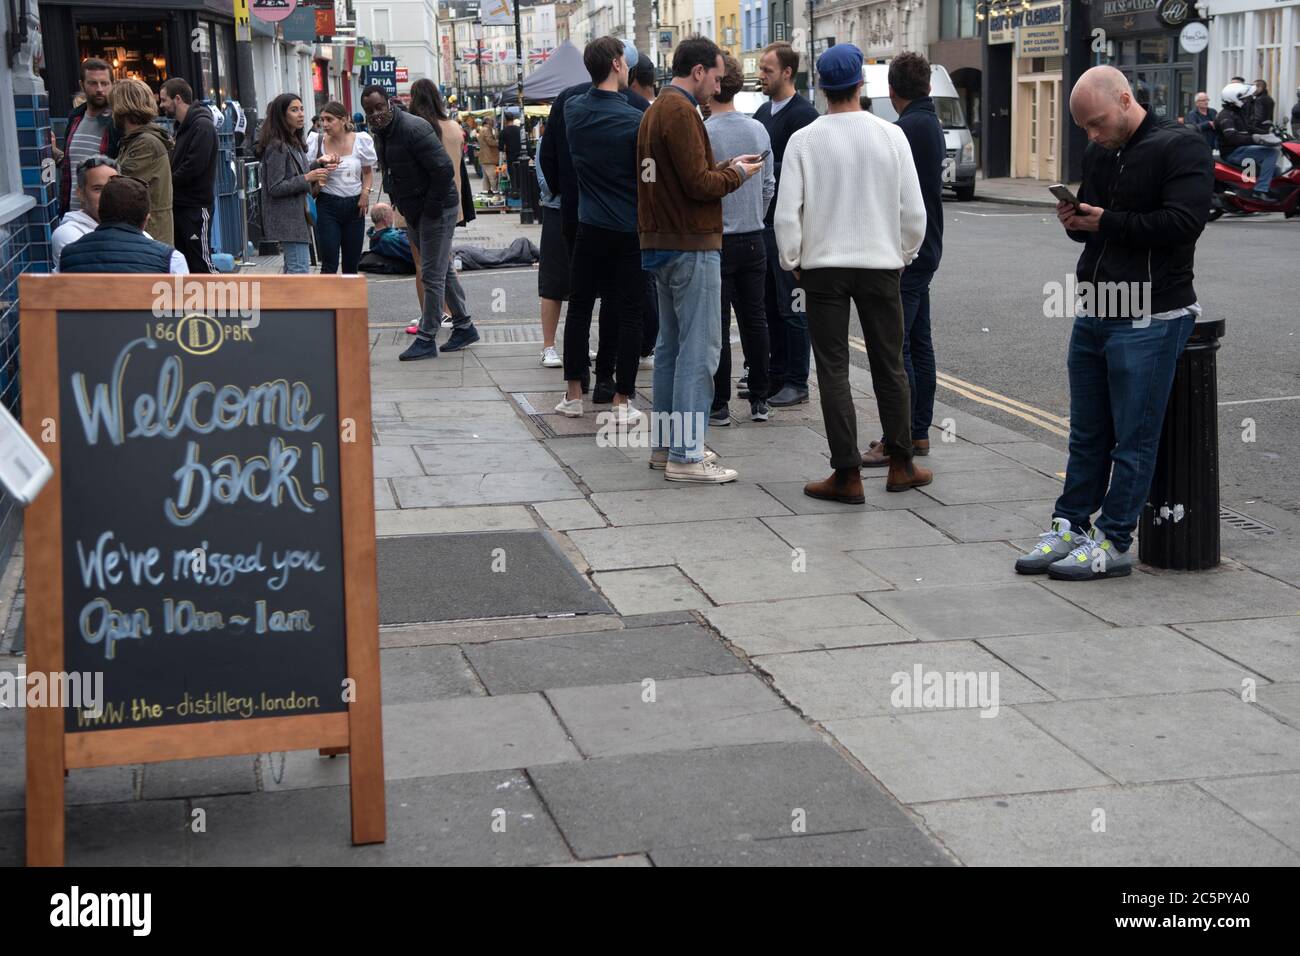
356,731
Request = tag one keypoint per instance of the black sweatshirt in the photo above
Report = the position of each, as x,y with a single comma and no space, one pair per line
194,159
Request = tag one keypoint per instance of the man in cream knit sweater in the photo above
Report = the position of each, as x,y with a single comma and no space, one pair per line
849,217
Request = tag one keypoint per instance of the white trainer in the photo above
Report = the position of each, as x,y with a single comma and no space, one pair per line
659,458
551,358
705,472
570,407
625,414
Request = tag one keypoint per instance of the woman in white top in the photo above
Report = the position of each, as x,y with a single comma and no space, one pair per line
343,201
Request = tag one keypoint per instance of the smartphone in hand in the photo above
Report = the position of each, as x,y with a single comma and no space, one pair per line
1062,192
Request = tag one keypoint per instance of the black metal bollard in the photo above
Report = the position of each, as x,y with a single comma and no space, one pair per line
528,190
1179,528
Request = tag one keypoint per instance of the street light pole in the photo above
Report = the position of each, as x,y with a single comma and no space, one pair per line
519,74
478,38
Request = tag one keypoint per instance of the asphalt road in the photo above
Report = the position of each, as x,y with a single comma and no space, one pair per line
990,331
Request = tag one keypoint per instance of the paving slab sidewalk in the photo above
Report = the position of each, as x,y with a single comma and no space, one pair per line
775,681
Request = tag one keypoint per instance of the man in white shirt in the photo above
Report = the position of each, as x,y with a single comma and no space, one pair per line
91,176
849,218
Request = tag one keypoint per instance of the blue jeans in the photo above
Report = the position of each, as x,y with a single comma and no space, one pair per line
918,348
1265,158
787,329
339,223
686,352
1120,377
297,258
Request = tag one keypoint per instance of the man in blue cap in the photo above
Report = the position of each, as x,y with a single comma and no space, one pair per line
847,235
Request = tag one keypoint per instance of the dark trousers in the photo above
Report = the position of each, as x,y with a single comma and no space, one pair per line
607,264
649,315
744,276
787,327
1120,376
918,348
607,349
192,230
875,293
340,224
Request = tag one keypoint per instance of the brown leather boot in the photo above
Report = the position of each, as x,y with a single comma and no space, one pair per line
904,473
844,485
875,456
920,446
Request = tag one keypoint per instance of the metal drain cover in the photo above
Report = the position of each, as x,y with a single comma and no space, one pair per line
1245,523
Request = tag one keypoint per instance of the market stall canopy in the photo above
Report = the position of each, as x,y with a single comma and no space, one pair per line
545,83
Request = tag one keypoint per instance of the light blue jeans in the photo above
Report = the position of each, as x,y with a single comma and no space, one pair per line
297,257
686,352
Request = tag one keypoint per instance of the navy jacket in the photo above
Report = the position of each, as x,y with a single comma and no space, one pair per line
1203,124
791,118
557,161
602,128
116,247
920,124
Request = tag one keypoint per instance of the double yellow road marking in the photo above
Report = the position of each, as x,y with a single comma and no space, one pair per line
1035,416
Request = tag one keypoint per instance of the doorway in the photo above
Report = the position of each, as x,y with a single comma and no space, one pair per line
1038,119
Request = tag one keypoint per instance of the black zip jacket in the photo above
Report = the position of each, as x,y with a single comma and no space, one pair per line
1233,127
1155,191
194,159
418,174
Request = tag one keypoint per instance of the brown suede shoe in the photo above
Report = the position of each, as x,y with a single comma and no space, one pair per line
875,456
844,485
905,473
920,446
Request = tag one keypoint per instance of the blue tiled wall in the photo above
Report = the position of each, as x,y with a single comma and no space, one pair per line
24,247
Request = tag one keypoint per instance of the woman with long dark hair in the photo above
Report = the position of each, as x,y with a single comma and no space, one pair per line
290,177
343,201
427,103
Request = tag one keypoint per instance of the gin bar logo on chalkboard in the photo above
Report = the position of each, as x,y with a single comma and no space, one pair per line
202,533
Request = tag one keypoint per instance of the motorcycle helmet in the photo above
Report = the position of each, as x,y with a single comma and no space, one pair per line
1235,93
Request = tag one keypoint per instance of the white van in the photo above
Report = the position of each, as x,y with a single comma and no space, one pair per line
959,167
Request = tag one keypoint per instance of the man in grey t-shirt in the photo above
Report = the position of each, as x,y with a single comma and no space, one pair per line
90,126
744,258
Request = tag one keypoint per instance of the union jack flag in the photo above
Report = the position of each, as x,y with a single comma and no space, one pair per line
540,54
470,55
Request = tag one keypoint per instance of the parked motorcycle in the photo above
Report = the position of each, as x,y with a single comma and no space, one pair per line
1232,191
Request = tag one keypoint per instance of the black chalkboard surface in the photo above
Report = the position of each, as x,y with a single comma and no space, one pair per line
202,532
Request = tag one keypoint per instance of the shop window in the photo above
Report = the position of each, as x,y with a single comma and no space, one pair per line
1268,53
1153,50
135,49
1232,52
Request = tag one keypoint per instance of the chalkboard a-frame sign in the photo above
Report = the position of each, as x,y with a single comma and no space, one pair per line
207,542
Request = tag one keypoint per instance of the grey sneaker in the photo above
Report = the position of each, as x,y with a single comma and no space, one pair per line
1052,546
1094,557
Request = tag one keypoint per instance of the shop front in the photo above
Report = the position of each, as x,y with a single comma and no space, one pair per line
149,40
1149,41
1026,87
